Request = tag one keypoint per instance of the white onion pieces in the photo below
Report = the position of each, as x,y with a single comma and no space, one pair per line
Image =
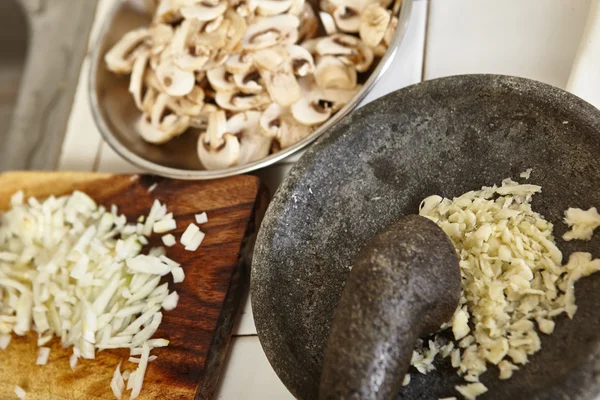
73,270
512,279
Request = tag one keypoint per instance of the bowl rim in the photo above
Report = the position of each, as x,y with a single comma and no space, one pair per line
188,174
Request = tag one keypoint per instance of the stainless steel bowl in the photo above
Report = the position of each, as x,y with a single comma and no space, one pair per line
115,112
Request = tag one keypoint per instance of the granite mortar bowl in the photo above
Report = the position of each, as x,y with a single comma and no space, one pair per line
445,137
116,115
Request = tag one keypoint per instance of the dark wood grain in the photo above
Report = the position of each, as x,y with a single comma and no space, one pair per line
198,329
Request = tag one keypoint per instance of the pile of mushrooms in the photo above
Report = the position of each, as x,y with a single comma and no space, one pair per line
251,75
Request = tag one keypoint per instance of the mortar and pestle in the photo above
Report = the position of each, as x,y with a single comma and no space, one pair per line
345,278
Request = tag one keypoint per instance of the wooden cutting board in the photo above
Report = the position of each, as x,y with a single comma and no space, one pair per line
199,328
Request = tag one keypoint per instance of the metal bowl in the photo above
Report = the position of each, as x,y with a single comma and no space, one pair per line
115,112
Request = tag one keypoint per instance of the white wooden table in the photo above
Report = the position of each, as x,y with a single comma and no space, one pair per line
536,39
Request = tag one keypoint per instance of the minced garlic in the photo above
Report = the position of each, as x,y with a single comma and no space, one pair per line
512,278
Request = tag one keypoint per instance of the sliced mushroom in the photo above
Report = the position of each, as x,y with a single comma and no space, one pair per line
328,23
235,33
187,55
278,123
213,25
239,63
271,58
298,7
396,7
217,59
149,99
347,18
309,25
390,31
215,40
136,81
353,50
167,12
190,105
272,7
311,111
332,73
162,124
201,120
379,50
221,157
161,35
220,79
338,44
217,127
237,101
121,56
374,21
301,60
253,144
311,45
282,86
267,32
204,10
248,82
174,80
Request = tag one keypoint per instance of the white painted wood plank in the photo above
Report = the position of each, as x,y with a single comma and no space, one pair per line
406,66
82,139
248,374
535,39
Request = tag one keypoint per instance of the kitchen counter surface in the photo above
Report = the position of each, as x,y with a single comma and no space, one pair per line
537,39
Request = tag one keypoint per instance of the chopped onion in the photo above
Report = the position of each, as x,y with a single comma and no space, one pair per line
117,384
43,354
168,240
20,392
74,270
195,241
178,274
4,341
189,233
201,218
170,301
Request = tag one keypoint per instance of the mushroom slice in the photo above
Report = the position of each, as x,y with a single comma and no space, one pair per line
168,12
188,56
204,10
213,25
332,73
220,79
215,40
336,98
149,100
174,80
237,101
221,157
270,59
150,133
379,50
161,35
374,21
311,45
238,63
302,62
347,18
190,105
121,56
136,81
311,111
328,22
277,122
269,31
309,26
270,120
253,144
217,59
298,7
248,82
389,33
337,44
272,7
217,127
237,29
282,86
396,7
